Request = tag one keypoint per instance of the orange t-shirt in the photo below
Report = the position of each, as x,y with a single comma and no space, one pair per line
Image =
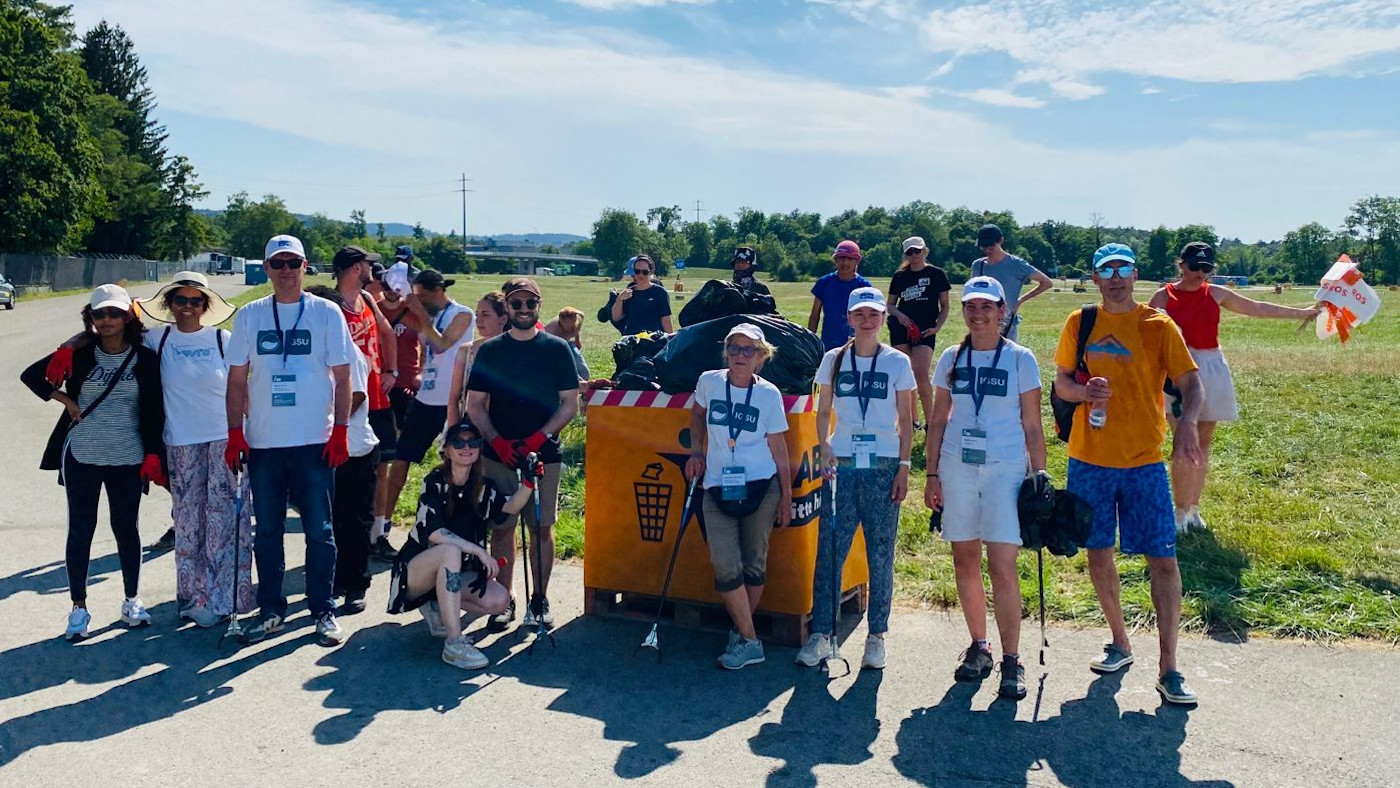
1137,351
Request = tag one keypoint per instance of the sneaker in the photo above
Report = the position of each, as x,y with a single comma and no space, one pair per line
382,550
200,616
78,620
165,542
1183,521
975,665
134,613
1172,687
539,611
1013,679
433,616
817,648
741,654
734,637
462,654
500,621
1197,522
328,629
1112,660
354,603
266,625
874,653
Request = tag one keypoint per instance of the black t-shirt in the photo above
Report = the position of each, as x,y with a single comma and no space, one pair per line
749,282
523,380
644,310
440,506
916,293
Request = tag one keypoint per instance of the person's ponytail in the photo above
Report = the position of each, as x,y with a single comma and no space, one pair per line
840,356
966,344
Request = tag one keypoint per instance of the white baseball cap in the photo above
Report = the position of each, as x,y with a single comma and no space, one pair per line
863,297
282,244
985,288
914,242
109,295
746,330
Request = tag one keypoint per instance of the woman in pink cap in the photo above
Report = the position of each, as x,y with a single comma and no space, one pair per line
831,292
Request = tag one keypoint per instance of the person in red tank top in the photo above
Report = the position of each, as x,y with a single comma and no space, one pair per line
1194,304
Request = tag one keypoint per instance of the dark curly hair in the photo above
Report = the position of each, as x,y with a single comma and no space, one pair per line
131,333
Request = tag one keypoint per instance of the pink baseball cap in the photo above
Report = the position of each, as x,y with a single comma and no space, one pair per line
847,249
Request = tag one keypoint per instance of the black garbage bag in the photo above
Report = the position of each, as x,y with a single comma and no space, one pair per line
718,298
640,376
627,350
698,348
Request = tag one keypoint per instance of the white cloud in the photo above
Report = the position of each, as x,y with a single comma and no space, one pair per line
1001,98
614,5
1150,91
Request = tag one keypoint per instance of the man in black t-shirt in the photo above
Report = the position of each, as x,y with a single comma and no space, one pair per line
521,392
643,306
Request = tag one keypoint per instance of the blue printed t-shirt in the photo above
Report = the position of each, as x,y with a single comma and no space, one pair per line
835,295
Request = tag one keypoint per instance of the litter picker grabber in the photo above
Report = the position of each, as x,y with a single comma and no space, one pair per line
829,520
650,641
1040,580
531,461
235,629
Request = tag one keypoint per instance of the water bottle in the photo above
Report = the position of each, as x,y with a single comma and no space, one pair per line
1098,415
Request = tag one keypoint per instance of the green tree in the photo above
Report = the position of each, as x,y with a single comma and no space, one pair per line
1307,252
1375,220
184,232
617,235
700,253
750,225
1158,260
250,224
1192,232
419,234
722,234
357,228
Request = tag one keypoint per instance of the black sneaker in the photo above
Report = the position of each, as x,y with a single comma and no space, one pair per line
1013,679
976,664
382,550
166,541
500,621
354,603
539,608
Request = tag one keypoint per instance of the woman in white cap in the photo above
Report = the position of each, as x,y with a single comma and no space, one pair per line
866,384
736,426
984,433
108,436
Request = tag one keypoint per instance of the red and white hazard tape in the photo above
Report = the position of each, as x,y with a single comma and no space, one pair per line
655,399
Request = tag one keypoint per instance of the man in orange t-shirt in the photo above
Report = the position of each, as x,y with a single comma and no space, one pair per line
1115,451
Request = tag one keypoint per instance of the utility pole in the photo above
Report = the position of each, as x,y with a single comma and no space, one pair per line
697,211
464,213
1096,221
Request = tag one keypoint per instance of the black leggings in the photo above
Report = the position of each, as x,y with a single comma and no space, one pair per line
352,514
83,484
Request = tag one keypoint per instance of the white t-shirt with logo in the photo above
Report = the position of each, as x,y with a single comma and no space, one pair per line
194,380
437,367
892,376
358,433
763,416
291,395
1000,415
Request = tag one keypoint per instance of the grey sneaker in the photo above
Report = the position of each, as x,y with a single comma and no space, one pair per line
461,653
1013,679
733,638
874,653
78,620
431,615
1112,660
1172,687
974,665
201,616
328,629
817,648
742,654
266,625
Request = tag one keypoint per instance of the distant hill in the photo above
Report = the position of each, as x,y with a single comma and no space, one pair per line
401,229
558,239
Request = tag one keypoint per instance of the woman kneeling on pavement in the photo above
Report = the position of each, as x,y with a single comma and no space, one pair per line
737,424
984,432
867,385
443,569
109,436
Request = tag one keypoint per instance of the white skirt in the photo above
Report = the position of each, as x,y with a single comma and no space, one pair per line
1217,385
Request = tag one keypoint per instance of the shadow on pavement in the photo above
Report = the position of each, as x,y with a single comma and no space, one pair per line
819,729
52,578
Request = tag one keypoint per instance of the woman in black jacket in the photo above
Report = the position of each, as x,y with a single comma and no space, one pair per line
109,435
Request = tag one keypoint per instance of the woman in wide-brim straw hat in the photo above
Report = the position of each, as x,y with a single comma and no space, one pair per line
216,309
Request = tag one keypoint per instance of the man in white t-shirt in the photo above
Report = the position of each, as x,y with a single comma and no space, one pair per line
289,374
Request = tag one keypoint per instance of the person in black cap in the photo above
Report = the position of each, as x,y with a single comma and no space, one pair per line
1013,272
745,265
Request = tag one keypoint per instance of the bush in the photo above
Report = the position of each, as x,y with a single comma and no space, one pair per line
787,272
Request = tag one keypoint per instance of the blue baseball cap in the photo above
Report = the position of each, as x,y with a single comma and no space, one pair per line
984,288
862,297
1110,252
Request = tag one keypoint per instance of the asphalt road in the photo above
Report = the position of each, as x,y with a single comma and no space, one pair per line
166,706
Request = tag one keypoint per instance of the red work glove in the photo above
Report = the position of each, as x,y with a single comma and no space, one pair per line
60,365
152,472
236,452
337,450
505,450
532,474
534,443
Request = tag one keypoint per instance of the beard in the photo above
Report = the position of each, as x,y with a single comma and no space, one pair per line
523,320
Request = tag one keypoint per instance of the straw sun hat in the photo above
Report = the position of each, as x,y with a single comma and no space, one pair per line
216,311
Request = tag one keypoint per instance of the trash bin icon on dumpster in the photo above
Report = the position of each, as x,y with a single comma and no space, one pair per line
653,503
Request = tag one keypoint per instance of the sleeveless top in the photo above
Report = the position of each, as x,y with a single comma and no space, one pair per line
364,332
1197,313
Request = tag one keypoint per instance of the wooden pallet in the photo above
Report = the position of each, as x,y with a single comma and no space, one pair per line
784,629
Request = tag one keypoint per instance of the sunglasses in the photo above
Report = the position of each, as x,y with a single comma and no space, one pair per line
465,443
747,351
641,271
1205,267
278,265
108,313
1123,271
529,303
194,301
912,251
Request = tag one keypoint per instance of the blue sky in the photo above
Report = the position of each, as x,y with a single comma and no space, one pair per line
1249,115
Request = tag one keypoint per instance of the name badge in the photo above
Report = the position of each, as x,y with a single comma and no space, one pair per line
974,446
734,485
429,379
284,390
863,446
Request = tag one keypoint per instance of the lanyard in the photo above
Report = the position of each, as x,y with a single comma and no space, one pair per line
437,326
277,321
979,396
734,427
863,386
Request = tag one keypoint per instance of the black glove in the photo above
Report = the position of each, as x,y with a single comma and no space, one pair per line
479,580
1043,483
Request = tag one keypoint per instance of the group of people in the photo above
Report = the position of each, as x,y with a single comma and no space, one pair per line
320,398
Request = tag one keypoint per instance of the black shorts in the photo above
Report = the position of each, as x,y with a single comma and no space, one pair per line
386,429
423,425
898,336
399,400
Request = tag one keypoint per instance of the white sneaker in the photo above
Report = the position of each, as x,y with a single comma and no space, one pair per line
462,654
431,615
328,629
1194,517
200,616
1183,521
134,613
78,620
874,653
817,648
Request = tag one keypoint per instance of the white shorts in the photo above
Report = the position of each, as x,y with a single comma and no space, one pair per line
1217,384
979,501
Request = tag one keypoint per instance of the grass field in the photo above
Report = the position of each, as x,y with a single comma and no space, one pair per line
1303,499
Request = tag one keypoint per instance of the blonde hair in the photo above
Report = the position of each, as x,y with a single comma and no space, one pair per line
765,353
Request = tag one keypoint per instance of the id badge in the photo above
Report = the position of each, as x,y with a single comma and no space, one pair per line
734,485
863,446
429,378
284,390
974,446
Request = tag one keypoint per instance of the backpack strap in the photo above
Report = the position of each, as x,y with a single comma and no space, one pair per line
1087,316
160,351
219,340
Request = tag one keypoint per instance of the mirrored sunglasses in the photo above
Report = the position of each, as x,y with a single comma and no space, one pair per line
1124,270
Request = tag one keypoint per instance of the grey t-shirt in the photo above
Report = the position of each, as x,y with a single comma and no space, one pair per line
1013,272
110,435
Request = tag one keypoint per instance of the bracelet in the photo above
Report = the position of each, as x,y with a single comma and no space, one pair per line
930,476
905,463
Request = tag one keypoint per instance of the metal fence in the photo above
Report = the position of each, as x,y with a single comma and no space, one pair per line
52,272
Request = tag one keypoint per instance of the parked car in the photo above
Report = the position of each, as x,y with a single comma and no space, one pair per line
312,270
7,293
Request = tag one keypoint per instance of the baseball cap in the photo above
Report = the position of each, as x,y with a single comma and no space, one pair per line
1198,252
746,330
460,427
989,235
745,253
432,280
347,256
520,284
862,297
109,295
376,270
1110,252
847,249
403,252
985,288
914,242
283,244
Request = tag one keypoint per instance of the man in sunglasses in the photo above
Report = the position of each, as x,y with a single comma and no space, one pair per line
1013,272
745,265
289,383
522,390
1115,455
642,306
